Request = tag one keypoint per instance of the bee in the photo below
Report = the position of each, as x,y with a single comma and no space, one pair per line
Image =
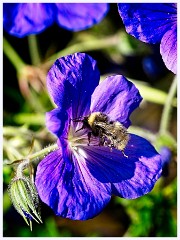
111,133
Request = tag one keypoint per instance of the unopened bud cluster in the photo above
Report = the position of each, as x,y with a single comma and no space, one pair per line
24,197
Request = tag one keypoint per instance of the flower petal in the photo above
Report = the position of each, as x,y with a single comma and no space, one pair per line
147,169
148,22
131,176
166,156
117,97
57,122
71,82
22,19
80,16
67,186
168,49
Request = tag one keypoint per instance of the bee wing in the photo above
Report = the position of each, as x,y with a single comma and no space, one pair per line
106,127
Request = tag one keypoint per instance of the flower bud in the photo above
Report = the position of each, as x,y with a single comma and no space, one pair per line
25,199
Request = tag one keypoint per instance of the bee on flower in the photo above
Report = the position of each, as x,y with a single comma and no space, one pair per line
92,163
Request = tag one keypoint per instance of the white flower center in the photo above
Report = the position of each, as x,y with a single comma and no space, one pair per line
77,138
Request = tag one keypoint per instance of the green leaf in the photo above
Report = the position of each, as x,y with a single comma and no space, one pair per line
30,118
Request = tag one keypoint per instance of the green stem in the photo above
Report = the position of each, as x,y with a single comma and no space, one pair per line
31,157
95,44
34,50
42,152
166,114
21,166
12,55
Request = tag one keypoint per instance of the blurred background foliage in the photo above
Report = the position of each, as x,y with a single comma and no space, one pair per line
25,101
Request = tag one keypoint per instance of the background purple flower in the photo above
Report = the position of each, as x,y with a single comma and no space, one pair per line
78,179
22,19
153,23
166,156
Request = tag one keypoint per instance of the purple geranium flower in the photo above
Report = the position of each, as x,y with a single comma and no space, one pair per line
78,179
22,19
166,156
153,23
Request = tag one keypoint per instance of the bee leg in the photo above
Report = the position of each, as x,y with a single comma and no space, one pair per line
101,138
124,154
102,141
111,146
89,137
76,120
105,143
80,129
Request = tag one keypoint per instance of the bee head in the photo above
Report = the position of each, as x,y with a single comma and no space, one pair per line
93,117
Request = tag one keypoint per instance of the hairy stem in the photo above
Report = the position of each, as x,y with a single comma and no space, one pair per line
42,152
